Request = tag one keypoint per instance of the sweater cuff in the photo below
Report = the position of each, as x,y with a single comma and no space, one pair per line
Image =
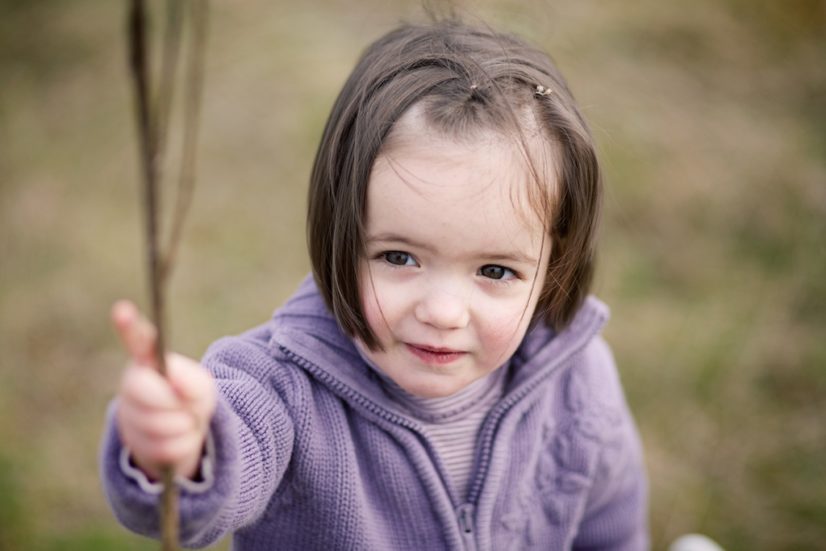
206,470
135,500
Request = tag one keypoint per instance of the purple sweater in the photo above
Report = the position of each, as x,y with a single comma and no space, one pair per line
310,453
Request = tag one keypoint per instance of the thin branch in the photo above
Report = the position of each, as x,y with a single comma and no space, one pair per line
140,73
140,78
194,94
166,85
139,65
160,115
153,125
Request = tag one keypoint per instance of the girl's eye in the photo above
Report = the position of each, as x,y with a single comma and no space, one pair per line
493,271
398,258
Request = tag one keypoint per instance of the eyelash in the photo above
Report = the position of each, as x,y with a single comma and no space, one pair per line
385,257
504,280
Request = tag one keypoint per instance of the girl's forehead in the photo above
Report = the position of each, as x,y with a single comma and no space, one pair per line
482,167
458,196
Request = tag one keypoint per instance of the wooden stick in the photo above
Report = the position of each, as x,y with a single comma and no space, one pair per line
149,161
193,90
153,121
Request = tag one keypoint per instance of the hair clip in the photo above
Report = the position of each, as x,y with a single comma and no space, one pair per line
475,94
542,91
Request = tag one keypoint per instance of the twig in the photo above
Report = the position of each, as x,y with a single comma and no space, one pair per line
166,86
153,122
149,138
194,93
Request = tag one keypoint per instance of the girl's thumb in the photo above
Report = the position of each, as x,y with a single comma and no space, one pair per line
192,382
136,333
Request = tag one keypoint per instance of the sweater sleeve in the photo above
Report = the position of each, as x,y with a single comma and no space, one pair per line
252,436
616,513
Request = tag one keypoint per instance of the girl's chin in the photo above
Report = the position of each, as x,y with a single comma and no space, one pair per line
432,385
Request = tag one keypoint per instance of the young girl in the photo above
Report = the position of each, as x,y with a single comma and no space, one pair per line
440,381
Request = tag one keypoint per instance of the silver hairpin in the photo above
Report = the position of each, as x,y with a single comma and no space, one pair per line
542,91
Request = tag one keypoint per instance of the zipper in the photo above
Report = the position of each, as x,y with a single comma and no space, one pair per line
464,512
465,516
350,393
372,407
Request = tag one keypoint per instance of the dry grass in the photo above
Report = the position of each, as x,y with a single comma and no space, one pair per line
712,125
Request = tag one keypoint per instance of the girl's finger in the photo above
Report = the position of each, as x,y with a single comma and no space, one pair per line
147,389
191,381
157,425
152,453
137,334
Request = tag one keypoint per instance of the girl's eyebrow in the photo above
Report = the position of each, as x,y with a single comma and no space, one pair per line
509,256
517,257
396,238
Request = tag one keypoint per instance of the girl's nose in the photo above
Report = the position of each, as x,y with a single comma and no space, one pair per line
443,310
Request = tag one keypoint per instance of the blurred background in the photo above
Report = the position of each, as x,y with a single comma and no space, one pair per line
710,117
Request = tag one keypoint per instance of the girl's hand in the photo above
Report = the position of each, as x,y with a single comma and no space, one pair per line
162,420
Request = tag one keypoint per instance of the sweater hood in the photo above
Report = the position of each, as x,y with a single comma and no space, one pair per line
305,330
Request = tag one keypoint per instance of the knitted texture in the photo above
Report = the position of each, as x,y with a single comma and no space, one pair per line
310,453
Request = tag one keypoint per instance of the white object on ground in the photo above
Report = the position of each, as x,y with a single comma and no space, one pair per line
694,542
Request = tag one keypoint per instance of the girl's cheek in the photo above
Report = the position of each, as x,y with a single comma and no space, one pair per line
505,327
377,301
370,306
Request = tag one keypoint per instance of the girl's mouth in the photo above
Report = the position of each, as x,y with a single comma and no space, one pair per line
434,355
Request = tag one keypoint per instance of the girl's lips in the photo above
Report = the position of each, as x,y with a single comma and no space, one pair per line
434,356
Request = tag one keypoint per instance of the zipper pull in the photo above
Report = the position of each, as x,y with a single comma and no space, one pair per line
466,518
465,514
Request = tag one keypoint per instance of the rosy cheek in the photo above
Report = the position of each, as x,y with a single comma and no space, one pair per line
505,329
371,309
379,309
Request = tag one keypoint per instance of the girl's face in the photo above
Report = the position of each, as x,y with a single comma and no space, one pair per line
450,281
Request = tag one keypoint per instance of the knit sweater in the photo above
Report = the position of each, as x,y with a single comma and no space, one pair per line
310,453
452,423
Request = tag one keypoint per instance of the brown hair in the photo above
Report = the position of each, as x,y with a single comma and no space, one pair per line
466,79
